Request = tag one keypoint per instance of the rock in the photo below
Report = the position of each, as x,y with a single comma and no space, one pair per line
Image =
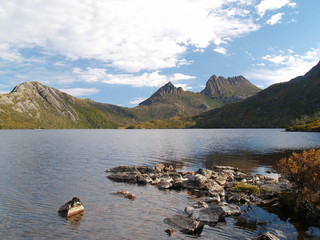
267,236
184,224
130,177
213,199
124,168
206,172
268,202
200,204
169,169
209,216
71,208
187,174
160,167
144,179
230,210
235,197
170,231
165,183
126,194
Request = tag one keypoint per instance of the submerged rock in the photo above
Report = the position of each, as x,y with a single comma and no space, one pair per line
126,194
71,208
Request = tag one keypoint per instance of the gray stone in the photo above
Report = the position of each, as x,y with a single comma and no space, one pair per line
130,177
124,168
209,216
144,179
230,210
165,183
184,224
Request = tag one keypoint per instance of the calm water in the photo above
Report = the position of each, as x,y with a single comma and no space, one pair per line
41,170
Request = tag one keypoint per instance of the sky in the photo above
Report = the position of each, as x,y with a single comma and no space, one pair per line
122,51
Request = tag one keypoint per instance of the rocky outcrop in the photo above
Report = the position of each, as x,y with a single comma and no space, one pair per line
232,86
71,208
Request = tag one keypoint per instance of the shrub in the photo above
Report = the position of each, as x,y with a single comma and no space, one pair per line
302,169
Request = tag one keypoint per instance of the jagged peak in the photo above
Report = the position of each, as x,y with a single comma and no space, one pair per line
237,85
168,88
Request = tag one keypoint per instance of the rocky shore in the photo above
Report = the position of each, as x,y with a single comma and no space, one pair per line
220,192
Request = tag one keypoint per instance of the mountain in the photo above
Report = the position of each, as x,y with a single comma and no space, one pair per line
171,101
34,105
231,88
275,106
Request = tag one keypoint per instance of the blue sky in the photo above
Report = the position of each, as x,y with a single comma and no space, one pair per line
121,51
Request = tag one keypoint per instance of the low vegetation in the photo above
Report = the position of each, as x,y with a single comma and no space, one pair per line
306,123
247,188
171,123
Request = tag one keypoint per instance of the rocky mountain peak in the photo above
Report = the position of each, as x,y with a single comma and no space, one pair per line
36,92
231,86
168,88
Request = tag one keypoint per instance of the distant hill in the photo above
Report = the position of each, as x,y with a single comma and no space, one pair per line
275,106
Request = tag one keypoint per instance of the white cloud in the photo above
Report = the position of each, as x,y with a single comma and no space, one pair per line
128,35
275,19
138,100
221,50
80,91
267,5
9,54
184,86
152,79
284,66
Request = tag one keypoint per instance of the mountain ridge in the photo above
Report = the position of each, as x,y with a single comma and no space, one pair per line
34,105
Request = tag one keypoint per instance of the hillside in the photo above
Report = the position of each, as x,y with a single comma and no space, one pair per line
275,106
34,105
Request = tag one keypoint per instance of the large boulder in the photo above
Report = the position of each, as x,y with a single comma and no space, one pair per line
184,224
210,216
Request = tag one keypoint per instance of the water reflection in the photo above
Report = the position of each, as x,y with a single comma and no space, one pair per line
75,221
249,162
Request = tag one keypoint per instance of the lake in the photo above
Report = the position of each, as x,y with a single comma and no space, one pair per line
42,169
